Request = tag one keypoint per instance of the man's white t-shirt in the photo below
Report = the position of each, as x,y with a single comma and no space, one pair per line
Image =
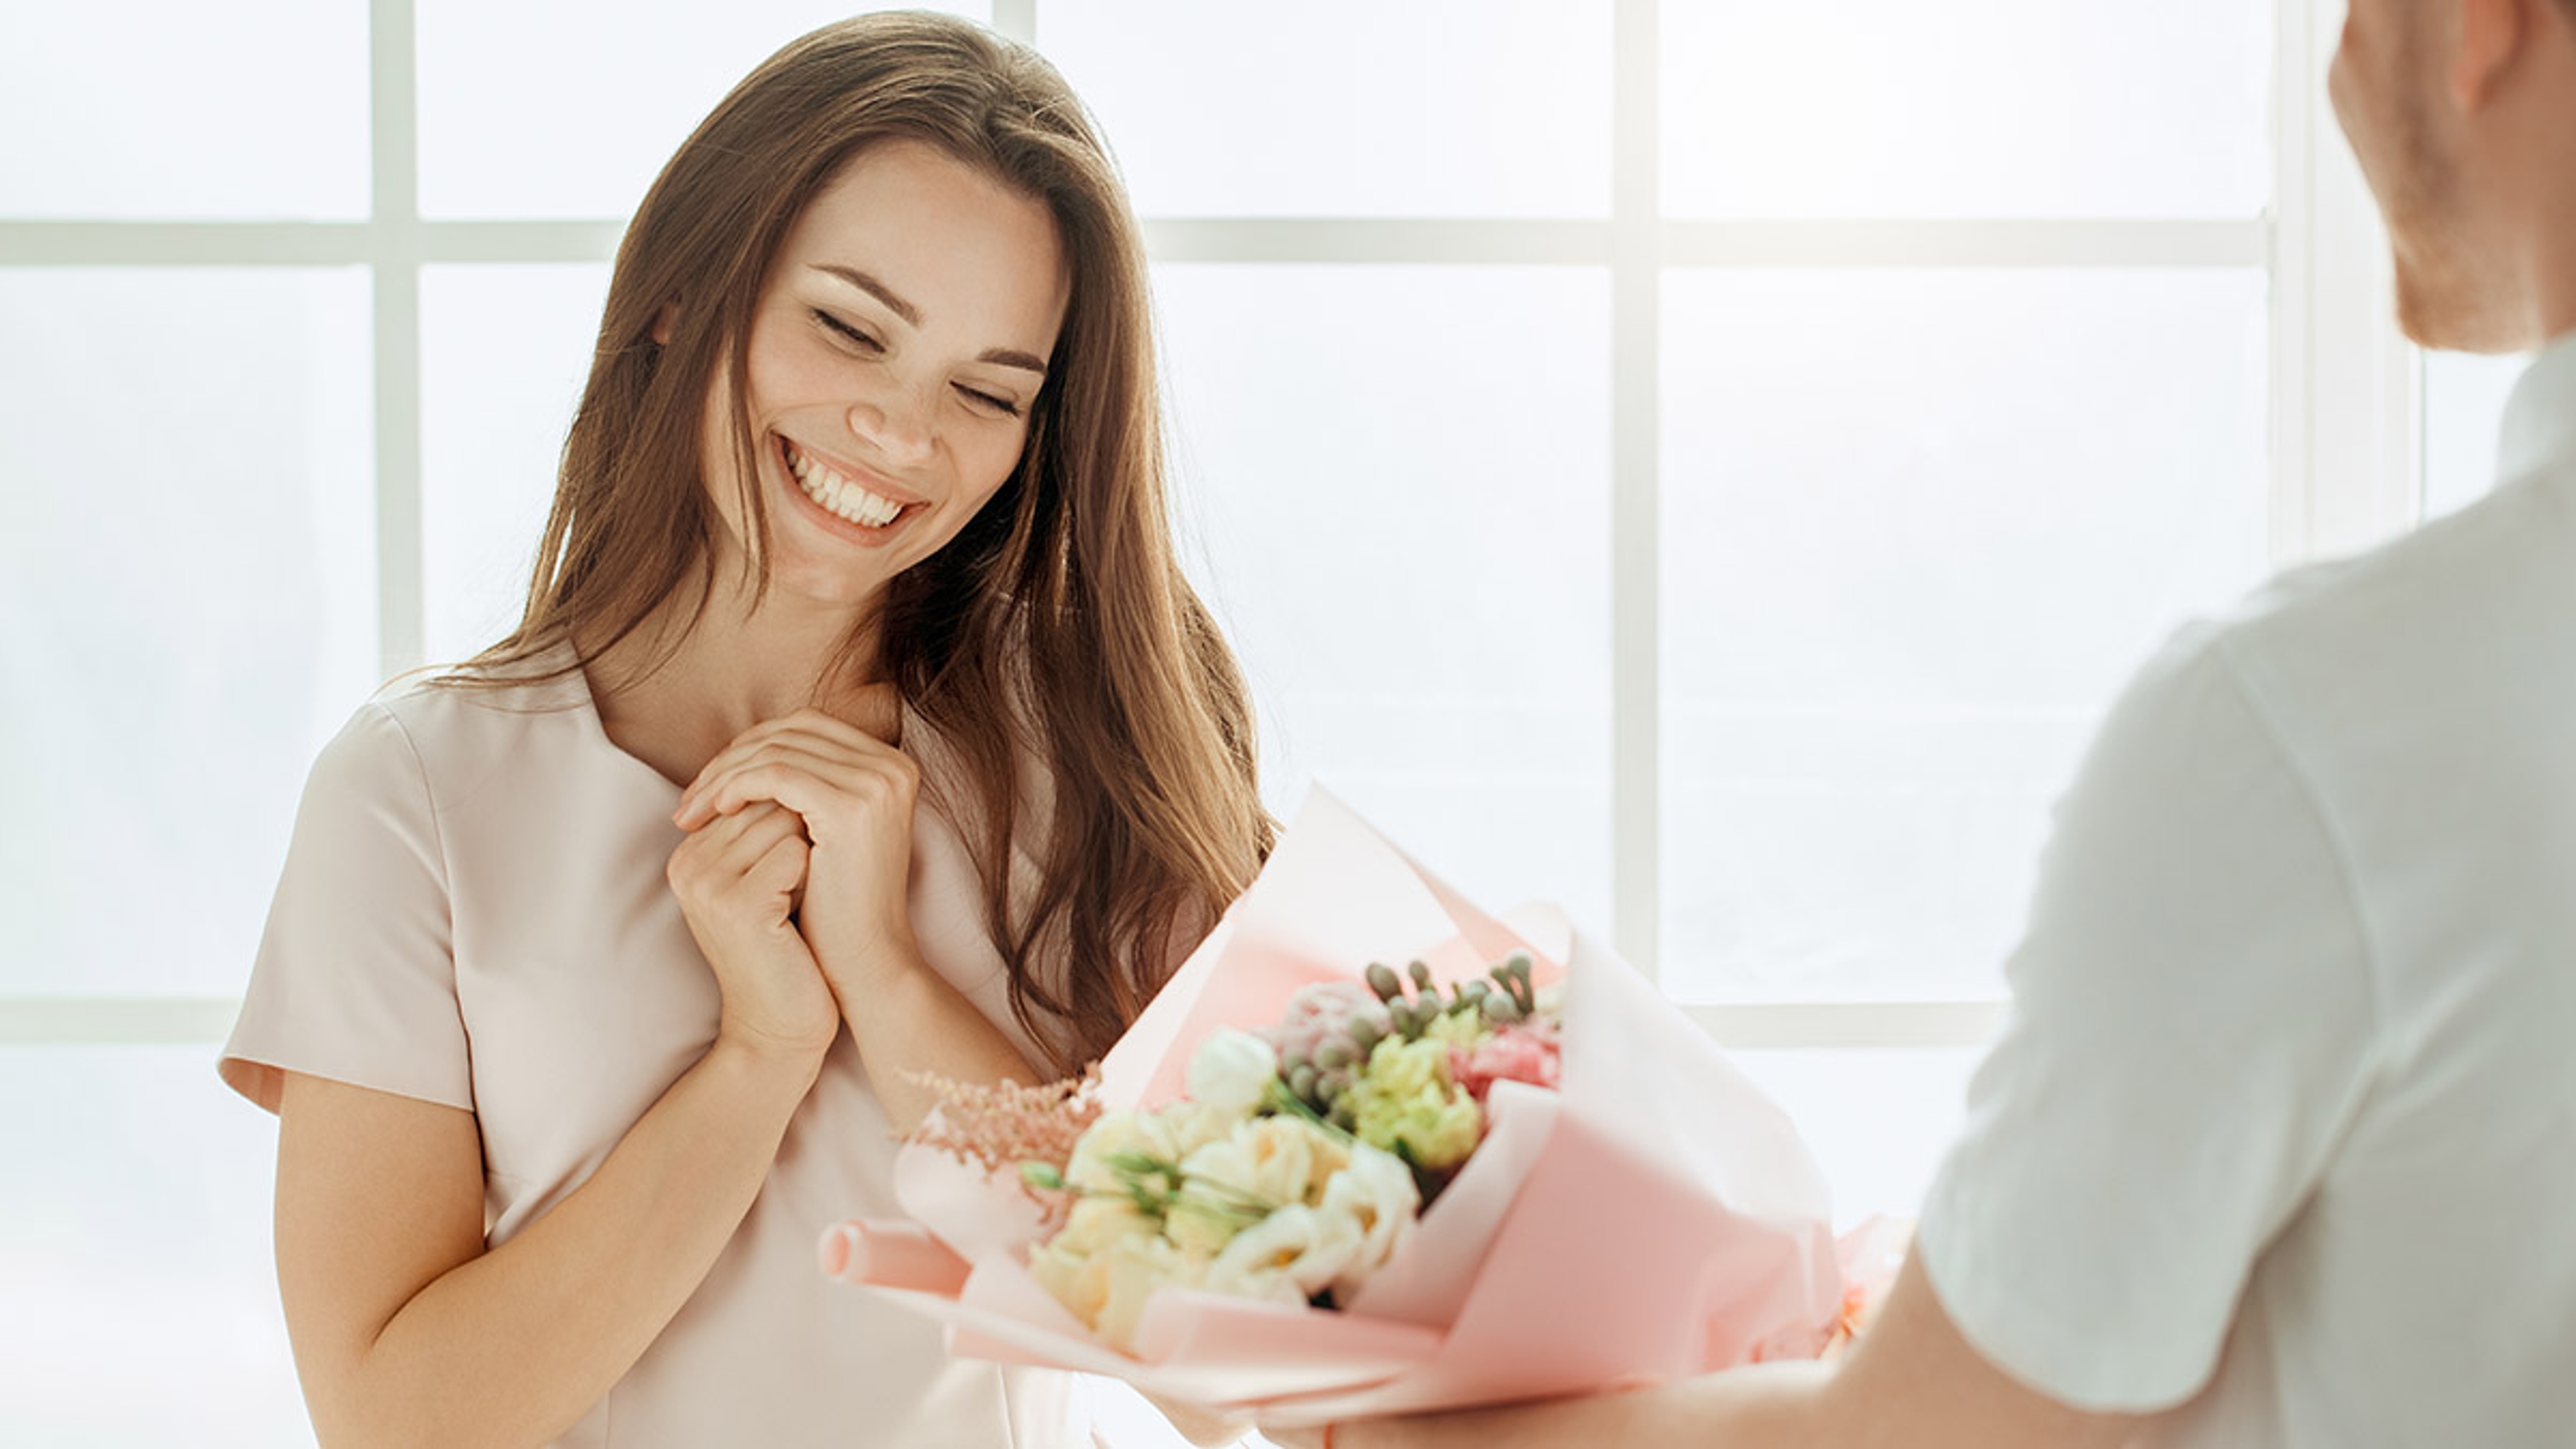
2283,1126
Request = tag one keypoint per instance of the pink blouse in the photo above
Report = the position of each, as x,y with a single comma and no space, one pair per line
474,913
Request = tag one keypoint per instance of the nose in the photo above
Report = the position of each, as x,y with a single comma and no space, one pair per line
896,425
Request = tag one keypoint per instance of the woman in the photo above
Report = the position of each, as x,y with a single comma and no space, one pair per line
601,968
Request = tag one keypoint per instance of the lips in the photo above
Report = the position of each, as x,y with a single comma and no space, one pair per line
840,495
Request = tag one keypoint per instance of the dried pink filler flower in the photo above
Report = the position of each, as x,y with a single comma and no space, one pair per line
1519,1053
1002,1127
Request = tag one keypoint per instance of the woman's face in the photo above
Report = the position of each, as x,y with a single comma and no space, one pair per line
898,346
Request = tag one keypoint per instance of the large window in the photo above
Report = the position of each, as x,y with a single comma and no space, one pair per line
1708,462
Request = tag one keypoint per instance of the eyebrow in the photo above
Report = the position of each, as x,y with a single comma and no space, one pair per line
1001,356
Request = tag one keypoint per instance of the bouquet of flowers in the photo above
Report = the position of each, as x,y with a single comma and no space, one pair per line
1308,1183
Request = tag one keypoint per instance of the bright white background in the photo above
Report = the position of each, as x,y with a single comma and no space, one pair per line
1709,463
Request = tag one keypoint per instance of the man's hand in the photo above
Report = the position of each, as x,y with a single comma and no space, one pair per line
1912,1382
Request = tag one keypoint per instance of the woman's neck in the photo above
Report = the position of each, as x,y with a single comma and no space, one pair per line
736,666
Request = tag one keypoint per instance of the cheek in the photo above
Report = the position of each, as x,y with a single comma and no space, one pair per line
993,459
717,465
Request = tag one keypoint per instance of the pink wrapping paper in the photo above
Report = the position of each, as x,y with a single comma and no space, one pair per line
1654,1218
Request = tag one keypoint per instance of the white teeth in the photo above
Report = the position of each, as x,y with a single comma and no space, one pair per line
843,497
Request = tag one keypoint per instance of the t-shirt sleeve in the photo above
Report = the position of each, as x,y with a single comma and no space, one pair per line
2192,1027
356,976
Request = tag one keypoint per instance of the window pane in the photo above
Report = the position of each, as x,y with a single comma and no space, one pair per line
134,1237
187,606
114,110
1895,108
2464,400
1401,481
1878,1120
1347,107
1918,527
568,108
504,353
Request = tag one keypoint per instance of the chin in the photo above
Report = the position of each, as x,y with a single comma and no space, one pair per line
2439,309
825,581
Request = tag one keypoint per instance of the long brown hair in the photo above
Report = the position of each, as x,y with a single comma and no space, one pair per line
1057,624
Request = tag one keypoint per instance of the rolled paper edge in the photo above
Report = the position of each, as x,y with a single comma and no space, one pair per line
890,1255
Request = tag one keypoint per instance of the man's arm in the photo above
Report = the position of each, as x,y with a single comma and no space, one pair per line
1913,1382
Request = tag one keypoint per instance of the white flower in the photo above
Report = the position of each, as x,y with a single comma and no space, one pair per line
1166,1135
1268,1162
1137,1267
1376,1194
1079,1281
1107,1287
1115,1133
1232,1071
1096,1222
1287,1257
1188,1126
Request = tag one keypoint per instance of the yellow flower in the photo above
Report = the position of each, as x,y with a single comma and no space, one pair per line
1462,1029
1406,1104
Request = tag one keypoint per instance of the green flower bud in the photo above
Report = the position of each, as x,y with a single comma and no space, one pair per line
1400,1013
1335,1054
1421,974
1384,982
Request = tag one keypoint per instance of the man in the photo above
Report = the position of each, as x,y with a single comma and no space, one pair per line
2279,1147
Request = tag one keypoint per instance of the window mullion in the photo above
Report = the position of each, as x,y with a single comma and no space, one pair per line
2345,395
394,227
1636,208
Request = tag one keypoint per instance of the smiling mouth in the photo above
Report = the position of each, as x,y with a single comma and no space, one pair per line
838,495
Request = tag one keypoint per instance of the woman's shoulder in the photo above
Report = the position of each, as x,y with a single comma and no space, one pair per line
461,721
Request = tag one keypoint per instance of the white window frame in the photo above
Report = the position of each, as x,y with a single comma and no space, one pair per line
2345,400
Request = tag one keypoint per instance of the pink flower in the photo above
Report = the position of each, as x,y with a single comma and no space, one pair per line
1518,1053
1322,1012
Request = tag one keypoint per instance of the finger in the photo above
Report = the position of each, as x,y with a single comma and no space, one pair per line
774,771
780,869
848,794
819,738
752,841
700,802
828,733
728,844
720,833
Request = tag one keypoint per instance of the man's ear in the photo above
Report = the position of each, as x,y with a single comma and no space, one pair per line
2491,37
662,323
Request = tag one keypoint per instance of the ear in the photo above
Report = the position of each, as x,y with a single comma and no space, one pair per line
662,323
2490,40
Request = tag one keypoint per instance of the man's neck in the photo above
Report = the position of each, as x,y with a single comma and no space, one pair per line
2539,140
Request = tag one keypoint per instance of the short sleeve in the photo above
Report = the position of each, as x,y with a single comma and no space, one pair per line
2191,1031
356,979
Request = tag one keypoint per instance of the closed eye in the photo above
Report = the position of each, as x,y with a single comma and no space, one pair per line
847,333
980,398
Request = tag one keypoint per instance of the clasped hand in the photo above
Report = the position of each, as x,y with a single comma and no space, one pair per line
794,874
